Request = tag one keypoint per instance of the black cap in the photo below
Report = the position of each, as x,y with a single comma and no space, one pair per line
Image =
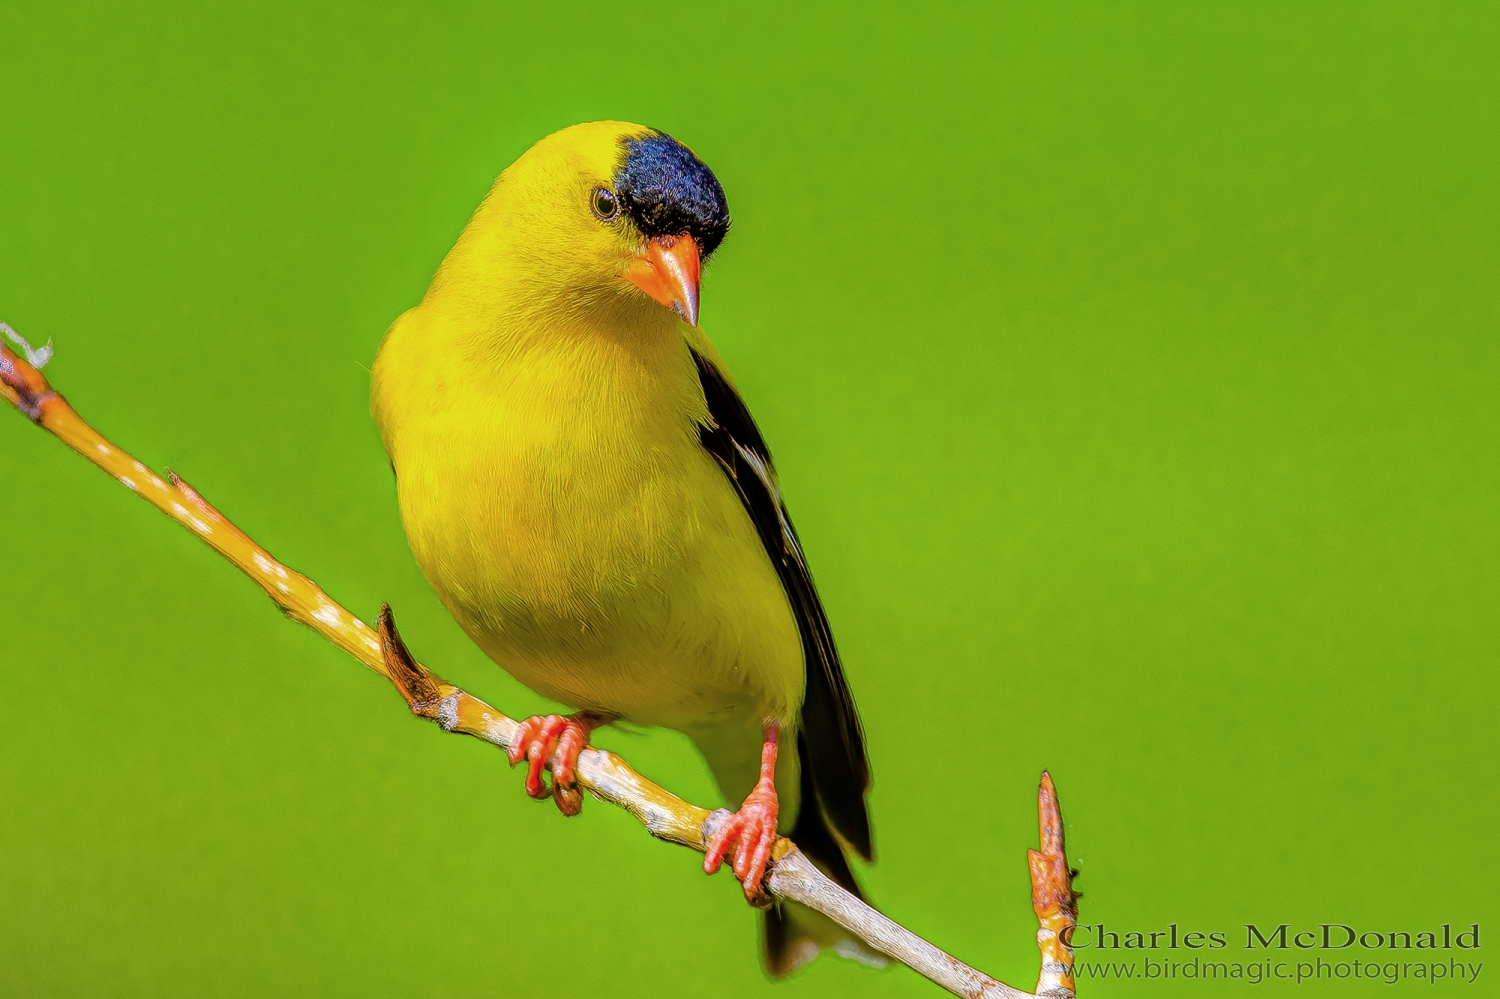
667,191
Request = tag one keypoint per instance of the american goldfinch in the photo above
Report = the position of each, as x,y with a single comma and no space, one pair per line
587,493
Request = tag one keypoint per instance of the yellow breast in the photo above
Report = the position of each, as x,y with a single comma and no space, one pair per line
559,502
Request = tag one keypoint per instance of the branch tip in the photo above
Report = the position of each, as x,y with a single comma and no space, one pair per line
37,357
1052,896
1049,816
1051,877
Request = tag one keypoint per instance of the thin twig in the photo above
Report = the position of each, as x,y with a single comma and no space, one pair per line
791,875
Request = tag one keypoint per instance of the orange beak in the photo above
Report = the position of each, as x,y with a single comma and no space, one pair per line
667,270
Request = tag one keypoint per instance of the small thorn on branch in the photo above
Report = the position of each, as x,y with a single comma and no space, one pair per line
415,682
1053,897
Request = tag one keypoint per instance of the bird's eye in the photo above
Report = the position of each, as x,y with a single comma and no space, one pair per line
606,205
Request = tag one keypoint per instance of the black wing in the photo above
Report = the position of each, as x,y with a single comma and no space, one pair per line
832,744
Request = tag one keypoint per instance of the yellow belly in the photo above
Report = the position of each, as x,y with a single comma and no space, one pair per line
564,511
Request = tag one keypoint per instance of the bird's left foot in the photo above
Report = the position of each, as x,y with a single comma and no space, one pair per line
751,831
554,742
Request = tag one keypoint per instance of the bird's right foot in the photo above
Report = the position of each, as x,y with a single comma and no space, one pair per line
553,742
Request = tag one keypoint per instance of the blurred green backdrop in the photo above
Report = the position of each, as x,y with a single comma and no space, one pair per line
1132,372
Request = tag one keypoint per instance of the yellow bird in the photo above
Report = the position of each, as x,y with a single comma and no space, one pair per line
588,495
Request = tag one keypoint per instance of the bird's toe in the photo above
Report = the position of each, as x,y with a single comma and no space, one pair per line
552,742
750,834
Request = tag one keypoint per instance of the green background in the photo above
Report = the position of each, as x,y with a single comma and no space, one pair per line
1132,371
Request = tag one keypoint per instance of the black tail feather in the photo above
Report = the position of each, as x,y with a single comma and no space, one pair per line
813,835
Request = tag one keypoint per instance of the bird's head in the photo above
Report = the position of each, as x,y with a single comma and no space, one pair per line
601,212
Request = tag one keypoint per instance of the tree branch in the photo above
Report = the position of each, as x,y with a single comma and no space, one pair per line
791,875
